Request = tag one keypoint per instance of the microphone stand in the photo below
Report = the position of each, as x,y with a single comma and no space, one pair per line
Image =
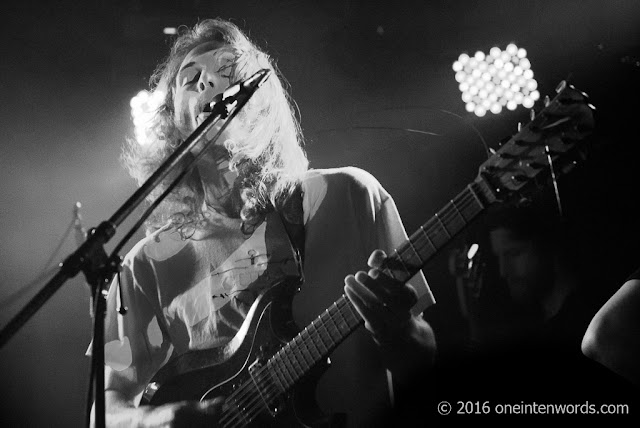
91,257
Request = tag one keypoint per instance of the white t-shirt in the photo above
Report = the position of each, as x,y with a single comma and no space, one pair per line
194,294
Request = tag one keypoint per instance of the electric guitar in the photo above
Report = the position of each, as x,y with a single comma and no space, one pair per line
266,372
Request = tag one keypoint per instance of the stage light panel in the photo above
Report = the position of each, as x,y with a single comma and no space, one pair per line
501,78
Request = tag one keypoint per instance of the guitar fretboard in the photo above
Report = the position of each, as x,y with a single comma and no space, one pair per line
438,231
328,330
314,343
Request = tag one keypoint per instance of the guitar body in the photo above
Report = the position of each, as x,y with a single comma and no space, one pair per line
206,374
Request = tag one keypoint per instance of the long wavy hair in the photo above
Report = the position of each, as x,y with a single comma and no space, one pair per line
266,149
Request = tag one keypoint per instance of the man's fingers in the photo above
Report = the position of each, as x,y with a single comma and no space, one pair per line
358,285
370,314
396,295
376,259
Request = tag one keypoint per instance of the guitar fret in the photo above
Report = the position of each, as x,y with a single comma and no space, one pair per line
323,323
274,369
293,364
413,248
292,358
485,189
344,322
443,226
354,315
318,354
473,193
389,273
345,311
298,351
404,266
319,334
424,232
304,351
282,360
330,318
458,211
282,375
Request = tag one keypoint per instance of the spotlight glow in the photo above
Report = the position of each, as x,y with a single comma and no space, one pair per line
144,106
501,78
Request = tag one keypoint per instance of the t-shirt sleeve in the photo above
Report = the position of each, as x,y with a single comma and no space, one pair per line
367,211
393,234
635,275
136,344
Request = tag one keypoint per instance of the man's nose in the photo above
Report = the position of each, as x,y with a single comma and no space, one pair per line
205,82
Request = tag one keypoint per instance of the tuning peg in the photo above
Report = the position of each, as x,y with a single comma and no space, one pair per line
532,114
519,126
547,101
561,86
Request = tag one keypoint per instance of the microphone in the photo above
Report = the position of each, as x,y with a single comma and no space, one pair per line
237,92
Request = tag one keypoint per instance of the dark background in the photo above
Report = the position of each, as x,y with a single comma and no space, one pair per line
69,69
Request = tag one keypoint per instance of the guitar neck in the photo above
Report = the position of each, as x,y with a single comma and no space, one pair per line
314,343
439,230
327,331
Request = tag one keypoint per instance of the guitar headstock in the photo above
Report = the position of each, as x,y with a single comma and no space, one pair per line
555,136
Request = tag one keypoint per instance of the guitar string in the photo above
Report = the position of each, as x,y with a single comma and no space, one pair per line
451,210
240,394
421,239
253,406
254,402
271,391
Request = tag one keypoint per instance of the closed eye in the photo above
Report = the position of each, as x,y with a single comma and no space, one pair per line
186,81
226,67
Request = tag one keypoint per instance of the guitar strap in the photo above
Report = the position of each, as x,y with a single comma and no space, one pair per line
292,216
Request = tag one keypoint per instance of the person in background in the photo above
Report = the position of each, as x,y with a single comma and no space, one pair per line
543,292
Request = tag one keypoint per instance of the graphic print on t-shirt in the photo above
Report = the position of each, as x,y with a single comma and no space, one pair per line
215,306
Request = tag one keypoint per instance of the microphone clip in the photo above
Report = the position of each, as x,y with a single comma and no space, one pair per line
224,103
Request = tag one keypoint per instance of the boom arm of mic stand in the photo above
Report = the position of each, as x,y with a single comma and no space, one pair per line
92,260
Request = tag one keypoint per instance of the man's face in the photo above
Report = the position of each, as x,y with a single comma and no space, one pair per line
527,271
203,74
